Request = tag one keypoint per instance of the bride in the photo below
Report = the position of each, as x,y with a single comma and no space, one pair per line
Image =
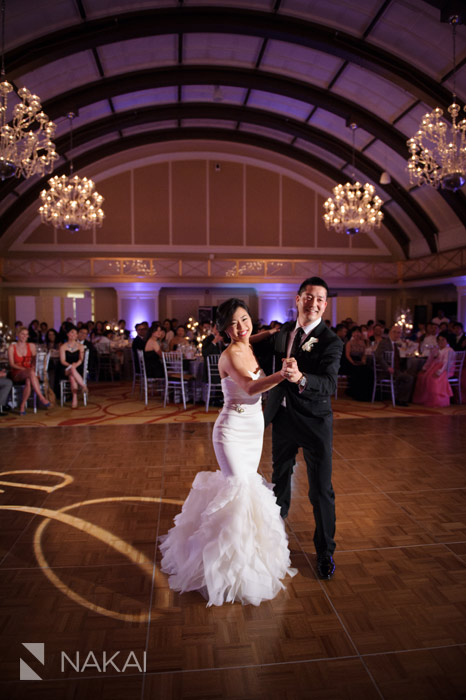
229,541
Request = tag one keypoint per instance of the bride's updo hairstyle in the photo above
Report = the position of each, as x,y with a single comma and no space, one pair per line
225,314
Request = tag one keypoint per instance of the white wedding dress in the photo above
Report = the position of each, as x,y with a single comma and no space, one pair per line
229,541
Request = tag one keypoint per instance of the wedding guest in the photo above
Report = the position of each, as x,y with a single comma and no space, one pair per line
365,335
122,327
83,338
432,387
403,380
139,341
444,328
440,318
51,342
103,343
419,333
153,352
179,339
165,346
377,336
63,331
429,341
97,331
169,334
118,343
71,364
22,358
43,333
460,337
214,344
341,331
359,373
34,332
5,389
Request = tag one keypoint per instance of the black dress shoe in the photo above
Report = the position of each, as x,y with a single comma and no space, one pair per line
325,567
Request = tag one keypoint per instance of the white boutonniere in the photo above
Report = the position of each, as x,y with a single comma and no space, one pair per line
307,346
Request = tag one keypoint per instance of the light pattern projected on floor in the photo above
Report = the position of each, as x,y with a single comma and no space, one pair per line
161,604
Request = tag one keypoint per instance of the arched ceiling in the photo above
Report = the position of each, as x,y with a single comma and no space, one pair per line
284,75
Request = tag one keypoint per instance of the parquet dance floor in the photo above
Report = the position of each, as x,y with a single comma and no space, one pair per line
81,509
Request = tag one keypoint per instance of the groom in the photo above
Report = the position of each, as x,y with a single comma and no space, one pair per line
301,413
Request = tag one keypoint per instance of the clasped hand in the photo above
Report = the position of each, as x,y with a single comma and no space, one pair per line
290,370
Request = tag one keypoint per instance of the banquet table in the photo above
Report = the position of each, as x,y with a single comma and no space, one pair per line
413,363
196,368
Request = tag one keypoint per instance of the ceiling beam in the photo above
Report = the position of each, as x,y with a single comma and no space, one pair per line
150,79
276,26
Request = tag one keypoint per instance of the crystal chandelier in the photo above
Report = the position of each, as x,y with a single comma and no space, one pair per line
71,202
354,208
26,146
438,149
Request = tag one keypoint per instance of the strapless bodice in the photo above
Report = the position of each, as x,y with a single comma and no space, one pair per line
234,395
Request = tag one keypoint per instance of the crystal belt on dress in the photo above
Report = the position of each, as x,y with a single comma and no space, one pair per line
246,408
236,407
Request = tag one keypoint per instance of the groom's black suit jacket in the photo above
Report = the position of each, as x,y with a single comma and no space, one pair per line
320,366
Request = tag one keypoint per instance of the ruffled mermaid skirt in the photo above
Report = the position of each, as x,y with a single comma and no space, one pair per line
229,541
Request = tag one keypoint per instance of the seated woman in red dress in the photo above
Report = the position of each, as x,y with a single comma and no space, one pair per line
432,387
22,358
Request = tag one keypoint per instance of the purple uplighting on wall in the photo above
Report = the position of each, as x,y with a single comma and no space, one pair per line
136,309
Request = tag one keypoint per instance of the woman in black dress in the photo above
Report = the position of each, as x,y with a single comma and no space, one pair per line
71,364
153,351
359,373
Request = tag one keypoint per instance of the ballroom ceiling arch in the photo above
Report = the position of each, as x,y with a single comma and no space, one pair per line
286,75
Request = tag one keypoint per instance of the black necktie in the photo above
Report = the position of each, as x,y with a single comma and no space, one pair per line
296,342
